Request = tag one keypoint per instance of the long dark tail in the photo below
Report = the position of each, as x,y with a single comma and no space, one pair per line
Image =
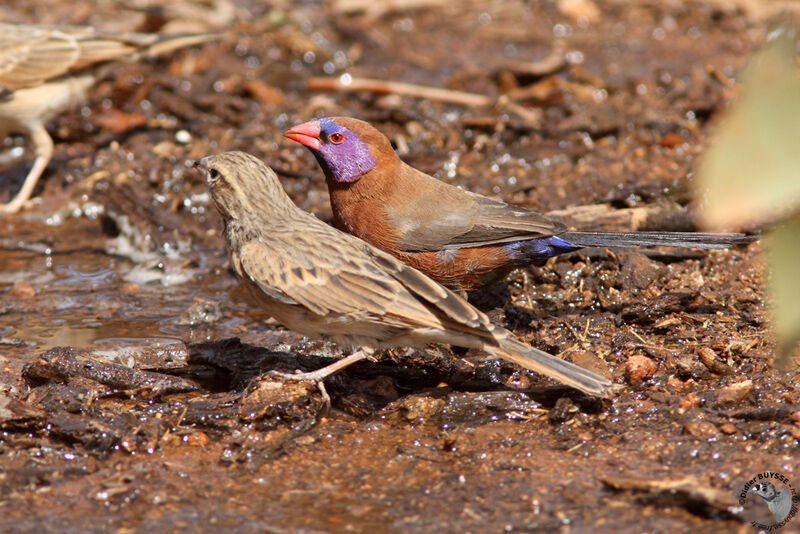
703,240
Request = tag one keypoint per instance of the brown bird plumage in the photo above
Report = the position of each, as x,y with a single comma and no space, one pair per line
460,239
322,282
45,70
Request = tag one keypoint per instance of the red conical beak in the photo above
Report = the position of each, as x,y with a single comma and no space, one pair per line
306,134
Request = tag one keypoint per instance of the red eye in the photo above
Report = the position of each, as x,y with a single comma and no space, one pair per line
336,138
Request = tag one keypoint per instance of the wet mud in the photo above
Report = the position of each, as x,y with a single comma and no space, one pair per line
139,390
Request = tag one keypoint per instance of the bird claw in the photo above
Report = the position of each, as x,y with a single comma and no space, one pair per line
312,376
318,377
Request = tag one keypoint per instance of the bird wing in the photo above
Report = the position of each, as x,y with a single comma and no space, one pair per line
435,215
498,222
323,277
31,55
329,272
443,300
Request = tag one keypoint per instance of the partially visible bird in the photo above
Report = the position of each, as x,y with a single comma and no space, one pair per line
460,239
45,70
778,502
324,283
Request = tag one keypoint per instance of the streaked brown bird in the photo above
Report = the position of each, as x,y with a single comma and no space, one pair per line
324,283
45,70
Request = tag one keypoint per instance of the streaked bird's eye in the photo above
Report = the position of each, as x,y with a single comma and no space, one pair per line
214,174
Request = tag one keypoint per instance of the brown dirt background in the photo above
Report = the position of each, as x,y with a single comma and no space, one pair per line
435,441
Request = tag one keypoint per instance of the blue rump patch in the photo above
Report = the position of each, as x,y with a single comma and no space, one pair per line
533,250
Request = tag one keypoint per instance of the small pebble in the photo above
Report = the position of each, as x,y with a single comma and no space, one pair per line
639,368
22,289
701,429
689,401
734,393
183,137
130,289
196,439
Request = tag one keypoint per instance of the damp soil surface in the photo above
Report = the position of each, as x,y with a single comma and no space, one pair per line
135,385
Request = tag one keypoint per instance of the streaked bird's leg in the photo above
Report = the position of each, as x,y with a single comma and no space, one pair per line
321,374
43,148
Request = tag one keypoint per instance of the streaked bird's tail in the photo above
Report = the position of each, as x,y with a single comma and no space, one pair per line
102,46
704,240
168,42
549,365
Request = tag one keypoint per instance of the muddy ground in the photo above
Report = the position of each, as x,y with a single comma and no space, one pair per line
127,403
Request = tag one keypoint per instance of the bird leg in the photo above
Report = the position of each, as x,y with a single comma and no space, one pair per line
43,148
321,374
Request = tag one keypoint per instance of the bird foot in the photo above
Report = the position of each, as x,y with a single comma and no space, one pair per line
318,377
314,376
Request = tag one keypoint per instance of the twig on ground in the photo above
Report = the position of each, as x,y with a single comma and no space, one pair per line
399,88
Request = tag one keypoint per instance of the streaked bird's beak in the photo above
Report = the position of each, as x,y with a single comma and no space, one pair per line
202,166
306,134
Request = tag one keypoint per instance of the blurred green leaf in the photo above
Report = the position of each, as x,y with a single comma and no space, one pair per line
783,254
751,173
